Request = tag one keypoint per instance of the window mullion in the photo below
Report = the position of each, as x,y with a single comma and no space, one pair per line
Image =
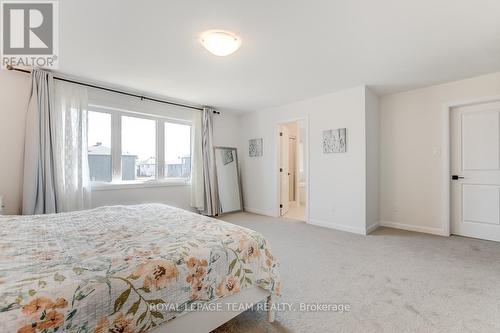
160,149
116,146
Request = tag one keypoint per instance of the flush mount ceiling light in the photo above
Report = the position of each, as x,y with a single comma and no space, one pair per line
219,42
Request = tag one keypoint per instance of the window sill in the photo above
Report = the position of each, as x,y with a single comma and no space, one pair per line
98,186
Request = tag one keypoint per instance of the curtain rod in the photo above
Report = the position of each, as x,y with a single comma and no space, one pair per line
12,68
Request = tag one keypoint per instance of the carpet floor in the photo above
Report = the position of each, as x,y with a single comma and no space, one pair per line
393,280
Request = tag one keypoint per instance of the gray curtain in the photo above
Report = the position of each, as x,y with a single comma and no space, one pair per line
56,177
38,182
209,178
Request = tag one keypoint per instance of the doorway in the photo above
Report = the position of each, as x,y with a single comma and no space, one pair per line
475,168
292,170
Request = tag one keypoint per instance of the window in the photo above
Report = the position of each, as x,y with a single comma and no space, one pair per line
138,148
177,150
128,148
99,146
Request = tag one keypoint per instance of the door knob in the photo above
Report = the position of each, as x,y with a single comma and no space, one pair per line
457,177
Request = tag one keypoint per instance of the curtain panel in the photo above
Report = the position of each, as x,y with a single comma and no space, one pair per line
56,177
197,177
70,148
38,180
209,176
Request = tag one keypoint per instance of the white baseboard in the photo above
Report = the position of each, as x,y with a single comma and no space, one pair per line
337,226
416,228
258,211
372,228
359,231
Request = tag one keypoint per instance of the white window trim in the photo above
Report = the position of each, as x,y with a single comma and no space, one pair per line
116,151
104,186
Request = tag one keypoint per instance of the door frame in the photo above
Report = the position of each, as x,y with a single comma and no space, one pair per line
446,170
277,144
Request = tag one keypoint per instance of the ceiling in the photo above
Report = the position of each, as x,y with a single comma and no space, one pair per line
291,50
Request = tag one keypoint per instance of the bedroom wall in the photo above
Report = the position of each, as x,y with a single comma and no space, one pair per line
14,94
372,159
411,158
227,130
178,196
337,181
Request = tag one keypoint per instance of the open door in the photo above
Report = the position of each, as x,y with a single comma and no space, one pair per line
284,171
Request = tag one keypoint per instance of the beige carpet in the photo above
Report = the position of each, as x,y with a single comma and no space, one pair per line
395,281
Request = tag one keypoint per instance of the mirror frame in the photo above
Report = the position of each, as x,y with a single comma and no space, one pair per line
237,175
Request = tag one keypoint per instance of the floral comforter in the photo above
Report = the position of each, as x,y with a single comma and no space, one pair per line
107,269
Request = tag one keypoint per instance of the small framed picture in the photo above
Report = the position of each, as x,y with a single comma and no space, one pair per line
255,148
334,141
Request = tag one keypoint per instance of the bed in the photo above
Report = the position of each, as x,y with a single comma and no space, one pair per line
144,268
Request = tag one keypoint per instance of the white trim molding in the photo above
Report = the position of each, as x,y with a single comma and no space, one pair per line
123,185
259,212
336,226
415,228
371,228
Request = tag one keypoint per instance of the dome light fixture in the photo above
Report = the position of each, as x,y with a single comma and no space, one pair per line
219,42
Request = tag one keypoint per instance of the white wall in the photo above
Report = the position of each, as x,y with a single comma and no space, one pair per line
411,160
337,181
14,94
227,131
372,159
178,196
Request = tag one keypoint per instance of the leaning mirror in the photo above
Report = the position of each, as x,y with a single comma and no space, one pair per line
228,179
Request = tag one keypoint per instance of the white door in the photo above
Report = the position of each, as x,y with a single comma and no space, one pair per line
291,170
284,170
475,165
